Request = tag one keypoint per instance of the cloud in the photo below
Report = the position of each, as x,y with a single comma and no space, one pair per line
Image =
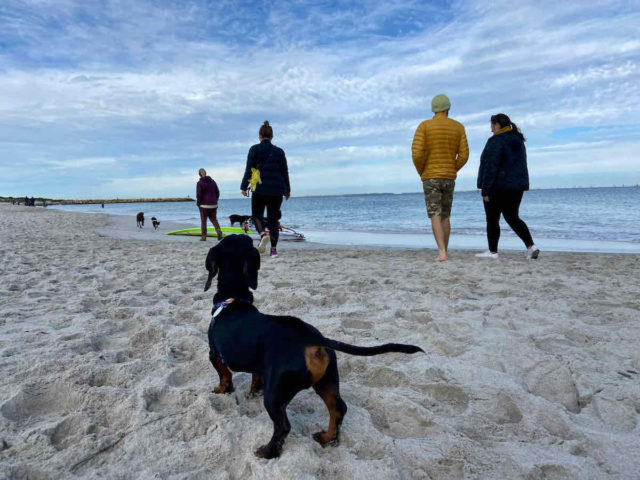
81,163
156,88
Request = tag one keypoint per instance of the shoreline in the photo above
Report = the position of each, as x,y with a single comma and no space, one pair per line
531,369
509,243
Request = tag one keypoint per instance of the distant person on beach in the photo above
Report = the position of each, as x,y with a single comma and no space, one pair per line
503,178
268,175
207,195
439,150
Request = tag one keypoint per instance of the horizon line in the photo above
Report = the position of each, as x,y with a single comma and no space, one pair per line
188,197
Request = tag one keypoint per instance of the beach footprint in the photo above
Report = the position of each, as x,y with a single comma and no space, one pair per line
68,432
166,400
36,401
445,398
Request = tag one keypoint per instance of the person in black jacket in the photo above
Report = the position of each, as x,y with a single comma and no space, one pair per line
272,185
503,178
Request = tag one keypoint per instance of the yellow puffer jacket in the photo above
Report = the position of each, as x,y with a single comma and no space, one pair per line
439,148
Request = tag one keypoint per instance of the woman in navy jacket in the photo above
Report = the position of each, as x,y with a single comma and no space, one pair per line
503,178
274,184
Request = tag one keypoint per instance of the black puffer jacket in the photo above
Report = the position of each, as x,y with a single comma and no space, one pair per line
274,173
503,164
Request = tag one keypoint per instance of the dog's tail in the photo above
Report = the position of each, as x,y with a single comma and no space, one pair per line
370,351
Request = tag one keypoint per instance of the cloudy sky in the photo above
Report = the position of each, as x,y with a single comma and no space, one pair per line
128,98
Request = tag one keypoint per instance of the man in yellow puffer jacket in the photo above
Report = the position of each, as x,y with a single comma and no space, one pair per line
439,150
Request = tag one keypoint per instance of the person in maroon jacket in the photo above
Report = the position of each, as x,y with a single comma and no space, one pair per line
207,195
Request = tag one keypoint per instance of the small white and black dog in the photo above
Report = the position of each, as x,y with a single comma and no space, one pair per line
241,219
155,222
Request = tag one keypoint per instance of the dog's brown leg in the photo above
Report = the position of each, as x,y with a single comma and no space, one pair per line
225,375
256,384
329,390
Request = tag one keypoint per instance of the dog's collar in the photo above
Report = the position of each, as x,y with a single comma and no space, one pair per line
220,306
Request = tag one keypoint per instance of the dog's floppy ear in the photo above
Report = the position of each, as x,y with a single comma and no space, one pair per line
251,267
211,264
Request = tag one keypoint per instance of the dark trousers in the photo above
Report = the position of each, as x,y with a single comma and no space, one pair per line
506,203
211,214
272,204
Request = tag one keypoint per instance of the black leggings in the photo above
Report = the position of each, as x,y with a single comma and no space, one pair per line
506,203
273,204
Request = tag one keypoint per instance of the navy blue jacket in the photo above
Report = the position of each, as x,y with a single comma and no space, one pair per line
274,173
503,164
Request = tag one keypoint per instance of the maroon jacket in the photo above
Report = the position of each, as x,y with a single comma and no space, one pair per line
207,192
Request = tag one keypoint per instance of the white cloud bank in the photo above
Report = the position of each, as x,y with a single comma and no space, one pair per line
138,96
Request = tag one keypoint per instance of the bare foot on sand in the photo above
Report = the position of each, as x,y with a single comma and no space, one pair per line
441,258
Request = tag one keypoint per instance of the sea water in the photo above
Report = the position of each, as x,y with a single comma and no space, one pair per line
570,219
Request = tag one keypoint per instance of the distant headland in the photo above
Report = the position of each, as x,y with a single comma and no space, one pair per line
118,200
54,201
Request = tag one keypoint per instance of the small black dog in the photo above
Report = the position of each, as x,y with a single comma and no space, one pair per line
140,219
284,354
241,219
155,222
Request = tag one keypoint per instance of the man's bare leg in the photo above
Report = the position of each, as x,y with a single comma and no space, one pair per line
438,233
446,226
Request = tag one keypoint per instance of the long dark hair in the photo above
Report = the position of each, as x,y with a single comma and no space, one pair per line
504,121
266,131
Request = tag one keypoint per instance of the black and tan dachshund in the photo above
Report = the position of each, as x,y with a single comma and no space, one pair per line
284,354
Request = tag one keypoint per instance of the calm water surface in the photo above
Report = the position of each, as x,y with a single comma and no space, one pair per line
575,219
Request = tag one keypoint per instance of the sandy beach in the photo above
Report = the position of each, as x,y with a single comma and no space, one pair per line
531,371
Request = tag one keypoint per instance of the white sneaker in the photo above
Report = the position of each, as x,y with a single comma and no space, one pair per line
532,252
263,243
487,254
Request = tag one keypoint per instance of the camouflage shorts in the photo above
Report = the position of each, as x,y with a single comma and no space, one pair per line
438,195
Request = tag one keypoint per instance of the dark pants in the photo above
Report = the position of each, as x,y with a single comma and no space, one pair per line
209,213
272,204
506,203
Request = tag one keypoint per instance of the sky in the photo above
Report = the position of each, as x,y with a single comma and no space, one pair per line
129,98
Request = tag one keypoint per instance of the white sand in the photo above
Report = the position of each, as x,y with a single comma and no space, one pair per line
105,373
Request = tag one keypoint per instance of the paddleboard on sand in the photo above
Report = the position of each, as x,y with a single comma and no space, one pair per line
285,234
211,232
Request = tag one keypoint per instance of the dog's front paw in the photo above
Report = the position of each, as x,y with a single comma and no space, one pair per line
224,388
267,451
323,439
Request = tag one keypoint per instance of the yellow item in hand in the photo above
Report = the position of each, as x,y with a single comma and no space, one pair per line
255,179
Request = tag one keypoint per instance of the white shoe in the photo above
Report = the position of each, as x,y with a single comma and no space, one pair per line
263,243
532,252
487,254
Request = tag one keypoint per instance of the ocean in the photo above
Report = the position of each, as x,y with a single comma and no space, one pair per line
568,219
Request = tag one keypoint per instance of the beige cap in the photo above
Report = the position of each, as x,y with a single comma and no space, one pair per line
440,103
